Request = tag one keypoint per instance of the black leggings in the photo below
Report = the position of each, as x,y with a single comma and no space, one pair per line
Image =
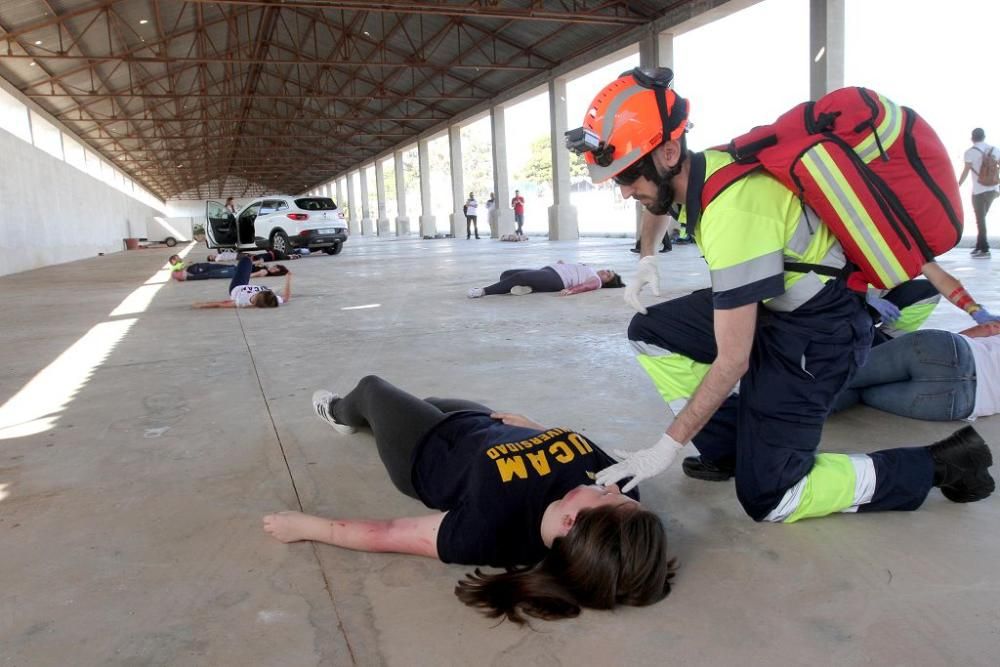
398,420
242,276
539,280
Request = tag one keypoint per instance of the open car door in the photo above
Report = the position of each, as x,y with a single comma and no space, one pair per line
220,226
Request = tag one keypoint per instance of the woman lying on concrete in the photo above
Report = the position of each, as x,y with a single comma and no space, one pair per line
211,270
510,493
931,374
559,277
244,295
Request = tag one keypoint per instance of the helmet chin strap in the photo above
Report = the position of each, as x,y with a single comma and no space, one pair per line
664,184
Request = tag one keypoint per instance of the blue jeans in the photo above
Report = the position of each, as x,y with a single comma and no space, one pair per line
927,374
209,270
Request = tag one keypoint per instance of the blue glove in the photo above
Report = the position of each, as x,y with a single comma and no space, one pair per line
982,316
887,309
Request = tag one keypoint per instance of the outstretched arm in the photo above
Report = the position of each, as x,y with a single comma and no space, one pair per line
228,303
954,291
287,295
589,286
409,535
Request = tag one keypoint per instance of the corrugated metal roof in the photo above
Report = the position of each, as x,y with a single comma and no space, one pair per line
215,84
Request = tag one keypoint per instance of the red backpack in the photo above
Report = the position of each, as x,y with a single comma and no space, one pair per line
874,172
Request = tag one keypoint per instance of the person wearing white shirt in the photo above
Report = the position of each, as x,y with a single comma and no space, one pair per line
244,295
471,211
982,195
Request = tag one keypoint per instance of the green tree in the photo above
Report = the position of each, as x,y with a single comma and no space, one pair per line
538,168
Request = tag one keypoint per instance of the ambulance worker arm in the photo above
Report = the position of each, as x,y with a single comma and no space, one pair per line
734,331
954,291
409,535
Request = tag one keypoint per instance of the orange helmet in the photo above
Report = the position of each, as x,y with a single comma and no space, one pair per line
634,114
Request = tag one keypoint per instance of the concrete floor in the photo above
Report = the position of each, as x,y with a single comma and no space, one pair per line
135,468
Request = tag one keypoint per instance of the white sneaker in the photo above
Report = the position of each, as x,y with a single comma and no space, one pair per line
476,292
981,254
520,290
322,400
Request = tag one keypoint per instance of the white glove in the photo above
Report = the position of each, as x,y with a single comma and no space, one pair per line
648,274
642,464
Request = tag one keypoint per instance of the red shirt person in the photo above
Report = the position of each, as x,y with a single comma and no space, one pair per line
517,203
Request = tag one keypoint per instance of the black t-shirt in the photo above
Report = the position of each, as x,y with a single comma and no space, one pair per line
495,481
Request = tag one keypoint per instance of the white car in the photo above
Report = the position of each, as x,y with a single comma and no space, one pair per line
278,223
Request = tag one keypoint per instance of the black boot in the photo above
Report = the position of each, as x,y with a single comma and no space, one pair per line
696,468
960,466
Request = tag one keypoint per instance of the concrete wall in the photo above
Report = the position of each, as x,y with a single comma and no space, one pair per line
52,212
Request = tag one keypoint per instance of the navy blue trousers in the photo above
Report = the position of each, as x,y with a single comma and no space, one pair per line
770,431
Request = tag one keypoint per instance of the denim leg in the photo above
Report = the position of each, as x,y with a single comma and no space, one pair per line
927,374
243,271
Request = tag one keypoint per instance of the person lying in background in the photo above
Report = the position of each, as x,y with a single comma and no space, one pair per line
244,295
211,270
559,277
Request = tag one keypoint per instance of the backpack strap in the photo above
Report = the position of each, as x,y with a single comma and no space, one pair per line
722,179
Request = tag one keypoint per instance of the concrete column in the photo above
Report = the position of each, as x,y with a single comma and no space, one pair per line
382,225
655,50
367,225
428,228
563,223
354,223
402,222
457,181
826,46
340,193
502,222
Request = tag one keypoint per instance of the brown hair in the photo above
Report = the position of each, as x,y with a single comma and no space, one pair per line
266,299
276,270
612,555
613,281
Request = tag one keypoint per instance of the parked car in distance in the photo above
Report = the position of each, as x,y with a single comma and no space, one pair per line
279,223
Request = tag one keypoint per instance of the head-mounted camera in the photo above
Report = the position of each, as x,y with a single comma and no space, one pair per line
581,140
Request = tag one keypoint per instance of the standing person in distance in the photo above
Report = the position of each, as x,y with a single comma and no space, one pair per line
470,210
517,203
983,194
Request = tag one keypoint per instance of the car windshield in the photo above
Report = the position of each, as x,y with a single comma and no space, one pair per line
316,204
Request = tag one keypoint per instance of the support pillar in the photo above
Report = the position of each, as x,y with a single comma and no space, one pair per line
402,222
367,224
655,50
428,228
340,193
502,222
354,223
457,181
563,223
382,224
826,47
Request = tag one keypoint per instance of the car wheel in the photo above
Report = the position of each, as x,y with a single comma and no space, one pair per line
334,249
171,241
280,243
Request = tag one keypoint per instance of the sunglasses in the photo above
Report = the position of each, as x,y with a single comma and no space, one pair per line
631,173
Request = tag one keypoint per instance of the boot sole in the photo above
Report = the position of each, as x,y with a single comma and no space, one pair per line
983,484
697,470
